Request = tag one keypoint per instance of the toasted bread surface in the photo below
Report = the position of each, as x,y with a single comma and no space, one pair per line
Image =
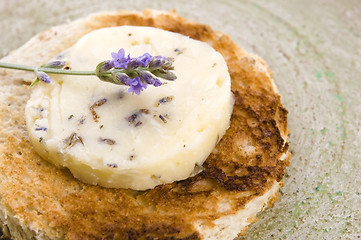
38,200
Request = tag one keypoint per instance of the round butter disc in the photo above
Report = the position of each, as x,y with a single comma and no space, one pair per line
109,137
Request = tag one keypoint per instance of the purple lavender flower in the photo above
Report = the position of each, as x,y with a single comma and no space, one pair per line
119,59
136,86
137,72
42,76
145,59
141,61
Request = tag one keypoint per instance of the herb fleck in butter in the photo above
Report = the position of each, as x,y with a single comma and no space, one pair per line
134,118
107,141
112,165
162,118
96,105
164,100
73,139
82,120
179,51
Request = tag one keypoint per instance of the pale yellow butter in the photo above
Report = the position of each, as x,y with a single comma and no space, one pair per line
87,125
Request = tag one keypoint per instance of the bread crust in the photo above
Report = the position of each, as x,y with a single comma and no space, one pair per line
38,200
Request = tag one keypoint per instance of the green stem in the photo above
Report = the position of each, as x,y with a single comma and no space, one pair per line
47,70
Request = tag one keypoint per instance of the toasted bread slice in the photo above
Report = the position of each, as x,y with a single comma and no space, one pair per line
240,178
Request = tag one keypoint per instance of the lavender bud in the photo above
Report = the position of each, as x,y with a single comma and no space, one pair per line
107,78
157,83
168,64
102,72
146,77
42,76
157,62
55,64
123,79
167,75
133,64
104,67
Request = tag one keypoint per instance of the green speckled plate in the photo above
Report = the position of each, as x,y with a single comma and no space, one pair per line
314,49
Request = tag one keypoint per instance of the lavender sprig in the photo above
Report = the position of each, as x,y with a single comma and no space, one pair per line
42,76
136,73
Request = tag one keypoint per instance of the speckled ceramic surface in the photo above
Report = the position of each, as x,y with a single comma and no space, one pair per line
314,50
